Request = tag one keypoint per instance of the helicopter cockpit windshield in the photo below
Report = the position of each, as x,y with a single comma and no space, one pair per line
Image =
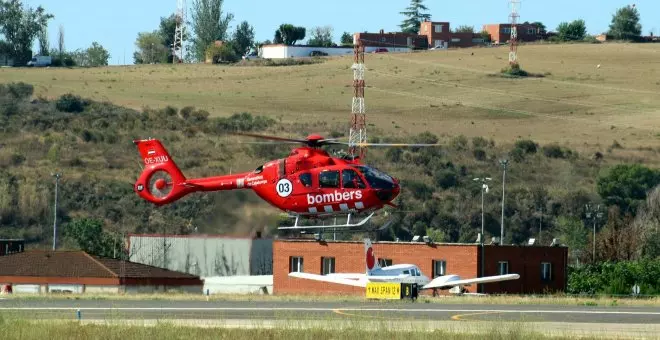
376,178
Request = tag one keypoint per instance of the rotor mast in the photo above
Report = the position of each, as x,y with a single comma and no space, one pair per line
358,132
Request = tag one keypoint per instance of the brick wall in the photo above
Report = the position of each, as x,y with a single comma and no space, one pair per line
526,261
349,258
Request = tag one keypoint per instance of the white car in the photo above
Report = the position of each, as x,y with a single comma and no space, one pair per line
251,56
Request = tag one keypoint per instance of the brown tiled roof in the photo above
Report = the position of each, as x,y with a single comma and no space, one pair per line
40,263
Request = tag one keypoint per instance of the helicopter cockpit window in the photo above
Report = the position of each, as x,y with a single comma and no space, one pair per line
376,179
306,179
329,179
351,180
259,169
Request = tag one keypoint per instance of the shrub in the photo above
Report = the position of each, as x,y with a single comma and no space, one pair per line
479,154
71,103
459,142
479,142
527,146
556,151
18,90
446,178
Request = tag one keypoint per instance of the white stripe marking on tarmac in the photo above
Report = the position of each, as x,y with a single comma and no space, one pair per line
330,309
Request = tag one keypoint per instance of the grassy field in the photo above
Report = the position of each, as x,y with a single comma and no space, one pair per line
291,329
446,92
603,301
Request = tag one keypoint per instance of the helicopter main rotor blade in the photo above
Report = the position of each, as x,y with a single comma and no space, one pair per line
396,144
281,139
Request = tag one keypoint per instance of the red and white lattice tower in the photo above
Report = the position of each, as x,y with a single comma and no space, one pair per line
178,49
358,132
513,17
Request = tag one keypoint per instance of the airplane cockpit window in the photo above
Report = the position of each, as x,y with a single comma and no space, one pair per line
306,179
376,178
329,179
351,180
406,272
417,273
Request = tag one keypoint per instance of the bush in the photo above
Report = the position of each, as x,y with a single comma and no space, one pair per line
479,142
446,178
479,154
556,151
527,146
221,54
71,103
18,90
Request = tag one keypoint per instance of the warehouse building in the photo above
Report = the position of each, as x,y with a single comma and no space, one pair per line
39,271
541,268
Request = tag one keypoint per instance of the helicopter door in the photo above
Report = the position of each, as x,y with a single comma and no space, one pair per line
282,168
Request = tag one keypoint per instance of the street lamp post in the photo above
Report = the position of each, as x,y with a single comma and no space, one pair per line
484,187
504,163
57,180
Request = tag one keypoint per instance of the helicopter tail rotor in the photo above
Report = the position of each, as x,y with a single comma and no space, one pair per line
161,180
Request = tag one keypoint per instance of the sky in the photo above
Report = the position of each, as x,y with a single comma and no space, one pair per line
115,24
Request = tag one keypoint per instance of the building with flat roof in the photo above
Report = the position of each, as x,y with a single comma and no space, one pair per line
501,33
541,268
39,271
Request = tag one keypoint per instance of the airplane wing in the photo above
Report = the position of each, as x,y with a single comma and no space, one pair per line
448,282
360,282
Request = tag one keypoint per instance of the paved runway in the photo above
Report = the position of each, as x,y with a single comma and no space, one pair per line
387,310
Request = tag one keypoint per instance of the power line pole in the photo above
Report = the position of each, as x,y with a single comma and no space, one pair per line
57,180
504,163
594,214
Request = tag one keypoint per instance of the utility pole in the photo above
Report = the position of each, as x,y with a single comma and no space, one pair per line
504,163
57,180
594,215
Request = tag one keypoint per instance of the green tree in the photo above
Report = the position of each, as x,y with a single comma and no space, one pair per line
209,25
243,38
20,27
576,30
150,48
289,34
321,37
625,24
464,29
540,27
346,39
626,186
573,234
89,236
97,55
60,42
43,42
414,16
485,36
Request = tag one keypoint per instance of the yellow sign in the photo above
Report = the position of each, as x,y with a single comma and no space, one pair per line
383,290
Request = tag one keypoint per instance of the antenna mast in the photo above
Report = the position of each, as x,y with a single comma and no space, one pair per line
513,53
358,132
178,49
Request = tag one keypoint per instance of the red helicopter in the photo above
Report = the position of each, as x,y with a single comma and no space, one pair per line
308,183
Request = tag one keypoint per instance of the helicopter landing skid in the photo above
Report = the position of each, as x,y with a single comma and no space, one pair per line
348,224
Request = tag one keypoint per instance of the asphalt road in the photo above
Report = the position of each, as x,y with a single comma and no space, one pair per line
385,311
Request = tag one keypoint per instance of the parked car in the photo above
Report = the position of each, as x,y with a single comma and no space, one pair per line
251,56
317,54
381,50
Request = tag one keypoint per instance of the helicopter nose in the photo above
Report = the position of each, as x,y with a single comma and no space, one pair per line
389,193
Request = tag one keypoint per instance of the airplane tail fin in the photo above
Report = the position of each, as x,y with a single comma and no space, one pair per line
370,257
161,180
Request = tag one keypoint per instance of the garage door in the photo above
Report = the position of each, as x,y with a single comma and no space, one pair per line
27,289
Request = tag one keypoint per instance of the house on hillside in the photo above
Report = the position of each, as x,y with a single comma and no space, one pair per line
39,271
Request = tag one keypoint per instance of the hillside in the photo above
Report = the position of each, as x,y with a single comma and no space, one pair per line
561,132
445,92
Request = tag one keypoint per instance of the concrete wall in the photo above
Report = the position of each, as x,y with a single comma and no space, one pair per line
203,255
91,289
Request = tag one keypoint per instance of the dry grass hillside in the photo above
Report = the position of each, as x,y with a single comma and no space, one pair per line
446,92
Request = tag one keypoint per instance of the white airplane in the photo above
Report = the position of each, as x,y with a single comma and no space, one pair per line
399,273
